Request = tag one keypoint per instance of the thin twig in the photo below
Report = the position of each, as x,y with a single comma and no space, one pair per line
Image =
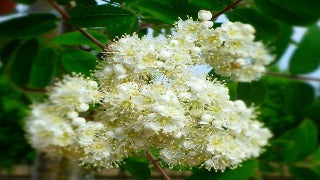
229,7
157,165
287,76
66,16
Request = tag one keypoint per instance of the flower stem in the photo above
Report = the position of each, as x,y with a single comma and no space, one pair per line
287,76
229,7
157,165
66,16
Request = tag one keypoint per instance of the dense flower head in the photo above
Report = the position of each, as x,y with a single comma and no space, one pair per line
146,97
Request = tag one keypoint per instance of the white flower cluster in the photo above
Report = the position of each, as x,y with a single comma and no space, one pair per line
149,99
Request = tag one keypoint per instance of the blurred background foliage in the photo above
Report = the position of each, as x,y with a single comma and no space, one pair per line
38,46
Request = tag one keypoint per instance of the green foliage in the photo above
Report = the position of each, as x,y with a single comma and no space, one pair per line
165,11
254,92
309,111
43,67
78,61
76,38
282,41
29,65
295,12
116,20
295,144
86,2
63,2
306,58
315,159
243,172
303,173
25,1
210,5
138,168
286,104
20,66
28,26
8,49
299,95
15,148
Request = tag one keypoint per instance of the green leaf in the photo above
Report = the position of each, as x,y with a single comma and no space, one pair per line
232,86
309,111
43,68
28,26
21,62
166,11
254,92
306,58
283,11
306,8
298,96
7,50
117,21
286,104
138,168
316,161
267,29
280,45
86,2
215,5
242,172
13,105
158,10
76,38
303,173
296,144
78,61
25,1
63,2
305,137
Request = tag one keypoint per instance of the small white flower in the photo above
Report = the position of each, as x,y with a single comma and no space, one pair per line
164,55
174,42
196,50
107,71
207,24
119,69
205,119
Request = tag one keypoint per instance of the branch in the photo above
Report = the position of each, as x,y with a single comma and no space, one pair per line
66,16
229,7
287,76
156,164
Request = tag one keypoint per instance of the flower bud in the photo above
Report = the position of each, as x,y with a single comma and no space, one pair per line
83,107
204,15
78,121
